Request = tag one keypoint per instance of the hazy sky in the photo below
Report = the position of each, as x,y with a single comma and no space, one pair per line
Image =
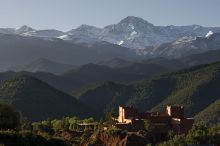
68,14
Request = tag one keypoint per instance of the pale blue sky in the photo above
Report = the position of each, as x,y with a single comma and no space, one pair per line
68,14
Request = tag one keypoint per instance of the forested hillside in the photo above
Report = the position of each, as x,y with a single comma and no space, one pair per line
37,100
194,88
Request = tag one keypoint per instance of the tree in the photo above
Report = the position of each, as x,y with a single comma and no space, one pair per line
43,127
25,125
65,124
9,118
88,120
198,135
109,118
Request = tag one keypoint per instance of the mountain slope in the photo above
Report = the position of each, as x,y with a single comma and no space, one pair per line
58,82
202,58
170,63
186,62
29,49
184,46
194,88
37,100
197,84
116,63
92,72
210,115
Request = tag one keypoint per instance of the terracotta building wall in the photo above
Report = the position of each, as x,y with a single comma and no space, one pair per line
126,113
175,111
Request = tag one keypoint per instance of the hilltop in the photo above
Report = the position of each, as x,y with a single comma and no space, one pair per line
37,100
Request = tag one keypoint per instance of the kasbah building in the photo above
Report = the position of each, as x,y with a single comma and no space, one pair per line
171,119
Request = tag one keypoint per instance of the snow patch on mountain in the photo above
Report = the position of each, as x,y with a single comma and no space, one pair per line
65,37
184,40
121,42
209,34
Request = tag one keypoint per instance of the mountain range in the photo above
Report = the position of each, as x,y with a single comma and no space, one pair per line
16,50
131,32
132,39
117,70
76,78
88,71
184,46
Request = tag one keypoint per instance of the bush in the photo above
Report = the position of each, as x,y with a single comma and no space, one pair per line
114,132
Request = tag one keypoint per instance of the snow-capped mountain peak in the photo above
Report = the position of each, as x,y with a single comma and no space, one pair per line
131,32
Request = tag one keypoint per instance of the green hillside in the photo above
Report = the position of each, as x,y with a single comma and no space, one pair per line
210,115
37,100
194,88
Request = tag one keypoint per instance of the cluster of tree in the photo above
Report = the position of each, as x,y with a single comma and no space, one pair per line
64,124
12,132
17,131
200,134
